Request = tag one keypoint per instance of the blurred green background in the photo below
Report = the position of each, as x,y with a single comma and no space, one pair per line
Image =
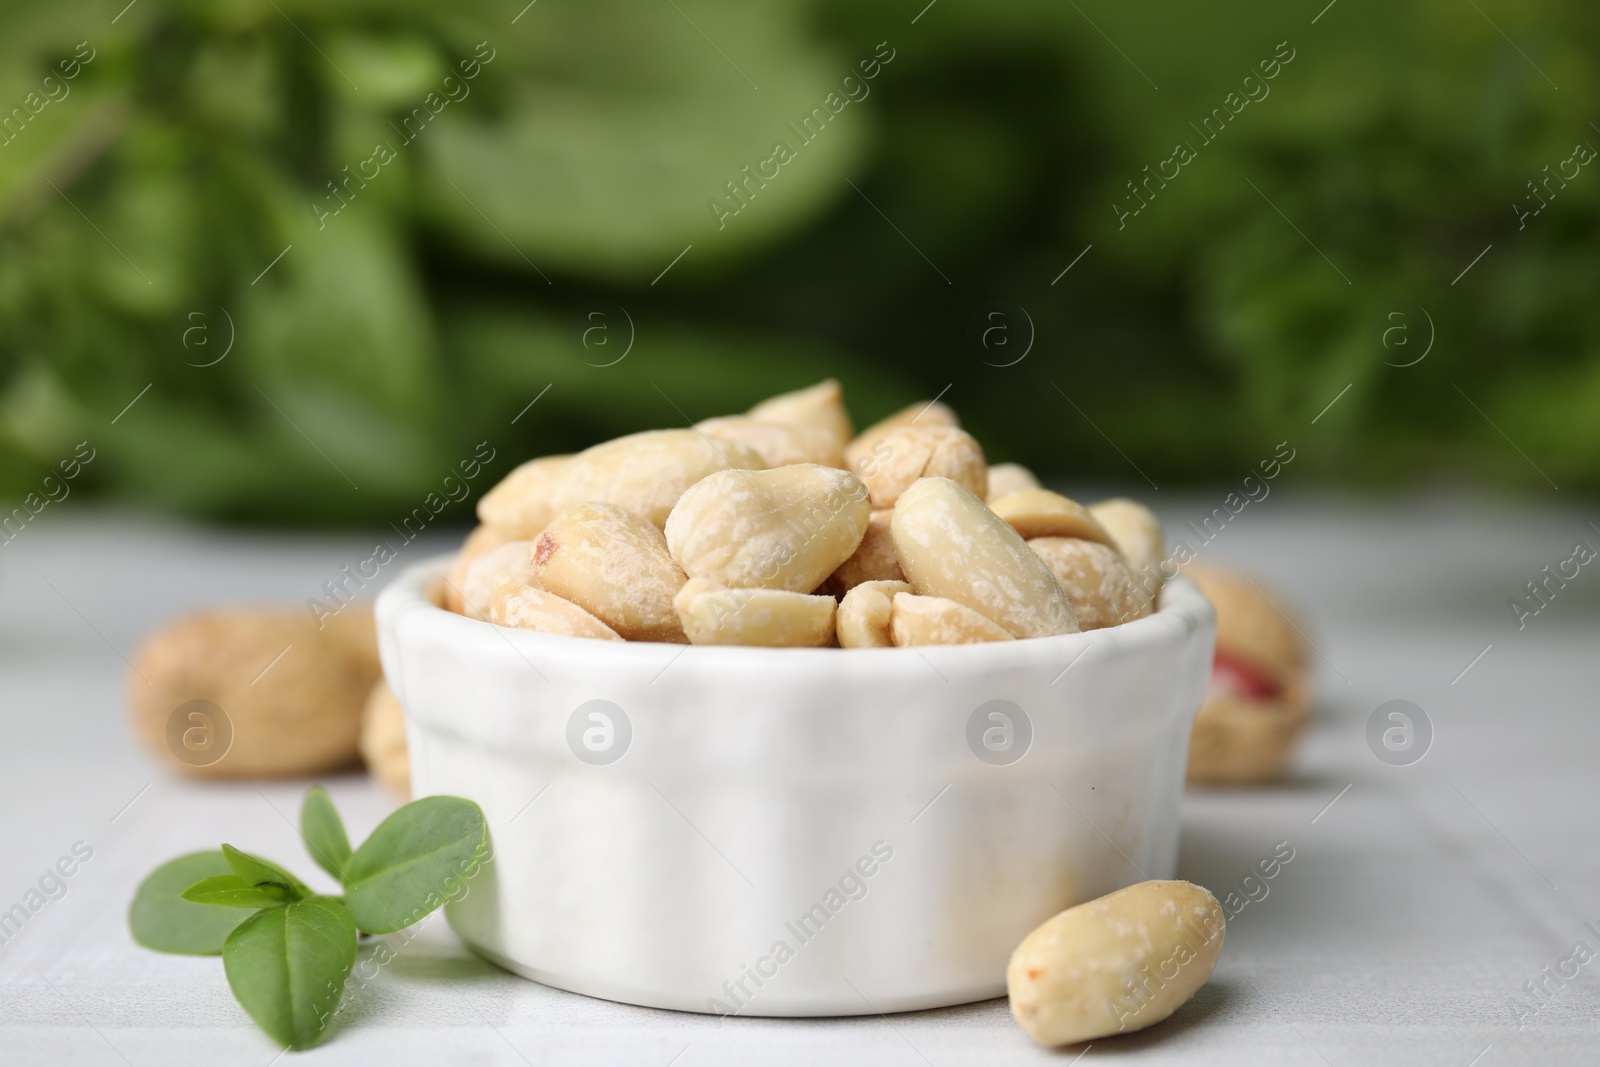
184,193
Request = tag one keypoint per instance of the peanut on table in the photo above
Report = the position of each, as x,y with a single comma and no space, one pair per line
1117,964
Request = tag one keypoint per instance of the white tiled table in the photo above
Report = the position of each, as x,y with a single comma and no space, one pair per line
1414,911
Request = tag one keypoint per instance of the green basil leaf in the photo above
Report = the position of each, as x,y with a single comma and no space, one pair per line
231,891
323,831
287,966
414,860
160,919
257,871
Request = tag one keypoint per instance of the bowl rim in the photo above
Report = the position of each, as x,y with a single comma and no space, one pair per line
1181,611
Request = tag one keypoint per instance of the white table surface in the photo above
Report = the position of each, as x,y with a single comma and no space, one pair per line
1414,911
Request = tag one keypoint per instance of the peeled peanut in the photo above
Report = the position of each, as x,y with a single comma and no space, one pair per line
1137,534
922,413
512,561
778,445
383,740
820,407
1007,478
785,528
614,565
479,541
275,693
1116,964
913,452
1256,625
936,620
647,472
950,544
864,614
528,607
872,561
1261,694
1096,579
714,614
1041,513
1240,741
525,500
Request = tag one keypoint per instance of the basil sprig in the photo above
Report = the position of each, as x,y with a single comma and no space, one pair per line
288,951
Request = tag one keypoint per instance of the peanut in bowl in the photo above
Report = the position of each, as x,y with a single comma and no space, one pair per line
793,831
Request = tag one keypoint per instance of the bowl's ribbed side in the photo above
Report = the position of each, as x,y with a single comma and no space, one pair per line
762,787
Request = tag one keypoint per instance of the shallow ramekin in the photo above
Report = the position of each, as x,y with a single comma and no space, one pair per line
794,831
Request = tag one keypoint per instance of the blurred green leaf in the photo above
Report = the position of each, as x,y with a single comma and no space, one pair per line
221,160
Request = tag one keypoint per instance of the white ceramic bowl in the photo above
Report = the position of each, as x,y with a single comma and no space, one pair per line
794,831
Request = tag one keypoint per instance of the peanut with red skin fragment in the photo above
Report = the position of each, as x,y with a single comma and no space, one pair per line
1116,964
615,566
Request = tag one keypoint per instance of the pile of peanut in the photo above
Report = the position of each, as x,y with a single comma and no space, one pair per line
782,527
